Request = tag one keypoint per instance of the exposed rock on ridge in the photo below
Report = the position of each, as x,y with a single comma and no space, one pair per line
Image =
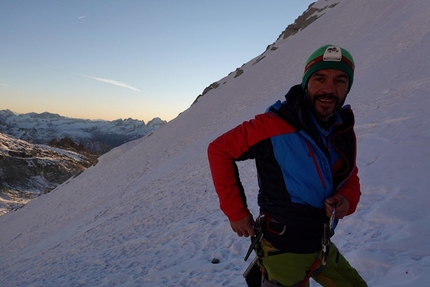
304,20
28,170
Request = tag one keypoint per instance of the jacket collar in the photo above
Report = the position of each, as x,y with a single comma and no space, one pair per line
295,111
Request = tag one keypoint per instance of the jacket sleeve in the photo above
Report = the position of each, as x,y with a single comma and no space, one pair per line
351,191
235,145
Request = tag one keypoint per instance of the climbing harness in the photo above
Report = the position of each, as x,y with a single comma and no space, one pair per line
262,224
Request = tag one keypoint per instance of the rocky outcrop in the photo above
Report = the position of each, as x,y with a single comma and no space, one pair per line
28,170
304,20
40,151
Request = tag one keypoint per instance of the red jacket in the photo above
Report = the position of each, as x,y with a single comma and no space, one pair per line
296,170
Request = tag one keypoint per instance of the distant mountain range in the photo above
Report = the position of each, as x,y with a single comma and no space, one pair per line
96,135
38,152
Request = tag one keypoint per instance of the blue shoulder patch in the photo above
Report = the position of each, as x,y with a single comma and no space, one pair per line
276,106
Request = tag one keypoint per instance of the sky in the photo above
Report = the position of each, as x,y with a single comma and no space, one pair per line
147,213
128,59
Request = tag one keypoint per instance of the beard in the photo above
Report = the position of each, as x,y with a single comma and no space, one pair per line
329,107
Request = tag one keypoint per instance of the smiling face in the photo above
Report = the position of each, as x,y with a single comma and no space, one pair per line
326,92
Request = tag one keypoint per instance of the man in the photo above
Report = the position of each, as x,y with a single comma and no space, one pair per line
305,150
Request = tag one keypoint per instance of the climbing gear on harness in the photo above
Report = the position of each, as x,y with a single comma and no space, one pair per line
266,224
250,267
269,220
322,258
253,274
328,233
255,240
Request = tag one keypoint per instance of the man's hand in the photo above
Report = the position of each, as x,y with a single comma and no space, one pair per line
244,227
342,206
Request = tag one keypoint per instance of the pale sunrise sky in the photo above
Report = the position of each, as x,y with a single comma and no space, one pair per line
128,59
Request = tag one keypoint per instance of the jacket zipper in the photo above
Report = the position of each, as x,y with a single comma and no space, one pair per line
311,154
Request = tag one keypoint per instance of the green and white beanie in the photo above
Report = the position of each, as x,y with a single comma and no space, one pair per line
329,57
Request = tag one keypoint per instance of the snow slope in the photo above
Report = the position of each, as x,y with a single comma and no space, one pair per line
147,214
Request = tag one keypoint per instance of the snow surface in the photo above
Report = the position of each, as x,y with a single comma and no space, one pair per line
147,214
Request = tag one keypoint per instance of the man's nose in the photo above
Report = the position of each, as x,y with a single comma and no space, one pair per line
329,87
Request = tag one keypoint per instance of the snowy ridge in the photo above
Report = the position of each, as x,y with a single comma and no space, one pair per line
147,214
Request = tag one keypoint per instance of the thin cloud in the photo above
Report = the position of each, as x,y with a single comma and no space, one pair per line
4,85
112,82
81,17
